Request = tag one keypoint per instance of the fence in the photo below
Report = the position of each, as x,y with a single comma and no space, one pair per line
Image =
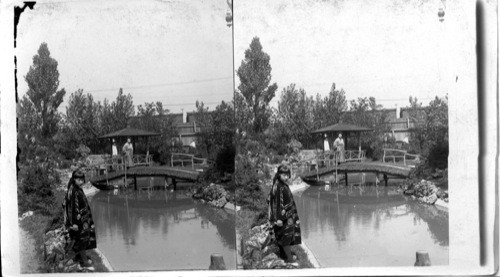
117,163
188,160
330,158
397,155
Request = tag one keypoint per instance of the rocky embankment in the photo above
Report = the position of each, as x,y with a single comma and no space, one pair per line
261,252
425,191
214,195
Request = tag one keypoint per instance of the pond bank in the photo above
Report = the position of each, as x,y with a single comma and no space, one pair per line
297,187
90,191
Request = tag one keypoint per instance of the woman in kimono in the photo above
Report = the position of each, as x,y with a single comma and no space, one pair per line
339,147
128,150
283,214
78,219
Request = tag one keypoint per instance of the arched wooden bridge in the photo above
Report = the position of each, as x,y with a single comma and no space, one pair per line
401,165
375,167
175,173
183,167
385,169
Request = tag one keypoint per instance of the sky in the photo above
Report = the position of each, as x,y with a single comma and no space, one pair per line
175,52
389,49
181,51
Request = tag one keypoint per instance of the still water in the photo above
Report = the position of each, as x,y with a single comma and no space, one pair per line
370,226
161,230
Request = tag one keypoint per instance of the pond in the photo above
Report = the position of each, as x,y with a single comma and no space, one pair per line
370,226
161,229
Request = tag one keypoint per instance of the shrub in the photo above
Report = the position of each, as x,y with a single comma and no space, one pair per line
35,188
83,151
248,192
224,161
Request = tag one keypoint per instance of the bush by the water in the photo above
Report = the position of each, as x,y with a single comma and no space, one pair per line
213,194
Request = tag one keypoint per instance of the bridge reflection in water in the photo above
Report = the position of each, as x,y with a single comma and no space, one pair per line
161,230
370,226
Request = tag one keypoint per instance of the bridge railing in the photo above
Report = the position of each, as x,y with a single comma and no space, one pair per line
117,163
330,158
400,156
146,160
185,160
354,155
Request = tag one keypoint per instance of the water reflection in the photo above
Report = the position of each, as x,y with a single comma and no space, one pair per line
370,226
161,230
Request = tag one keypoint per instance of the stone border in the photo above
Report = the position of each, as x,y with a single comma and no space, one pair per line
104,260
310,255
440,204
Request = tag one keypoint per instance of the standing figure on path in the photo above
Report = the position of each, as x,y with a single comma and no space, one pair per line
339,147
283,215
114,149
78,219
128,151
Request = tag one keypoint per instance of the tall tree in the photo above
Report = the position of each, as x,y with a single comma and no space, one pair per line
83,119
366,112
295,115
153,117
328,110
43,93
122,110
429,135
255,76
216,128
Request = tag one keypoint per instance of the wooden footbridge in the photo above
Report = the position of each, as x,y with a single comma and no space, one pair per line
400,165
116,168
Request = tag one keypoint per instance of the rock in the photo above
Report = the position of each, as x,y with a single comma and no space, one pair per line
26,214
255,230
409,192
271,261
440,194
213,194
431,199
219,203
259,238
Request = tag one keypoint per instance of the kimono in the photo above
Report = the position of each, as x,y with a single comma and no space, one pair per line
339,145
128,149
282,207
77,211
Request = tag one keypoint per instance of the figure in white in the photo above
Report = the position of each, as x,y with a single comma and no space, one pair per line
326,144
339,147
114,149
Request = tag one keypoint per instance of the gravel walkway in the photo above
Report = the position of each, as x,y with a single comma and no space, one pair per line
28,262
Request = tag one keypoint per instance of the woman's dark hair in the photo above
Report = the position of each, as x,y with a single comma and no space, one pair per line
282,169
77,174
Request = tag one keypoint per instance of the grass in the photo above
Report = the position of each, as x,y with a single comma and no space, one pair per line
302,257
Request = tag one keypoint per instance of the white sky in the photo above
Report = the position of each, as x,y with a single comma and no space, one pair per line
180,51
175,52
388,49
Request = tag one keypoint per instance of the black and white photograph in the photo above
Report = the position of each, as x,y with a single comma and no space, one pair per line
249,137
125,136
343,131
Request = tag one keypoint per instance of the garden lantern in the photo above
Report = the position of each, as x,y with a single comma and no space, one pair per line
441,14
229,13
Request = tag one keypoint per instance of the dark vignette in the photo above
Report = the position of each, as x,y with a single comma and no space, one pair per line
482,109
17,14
